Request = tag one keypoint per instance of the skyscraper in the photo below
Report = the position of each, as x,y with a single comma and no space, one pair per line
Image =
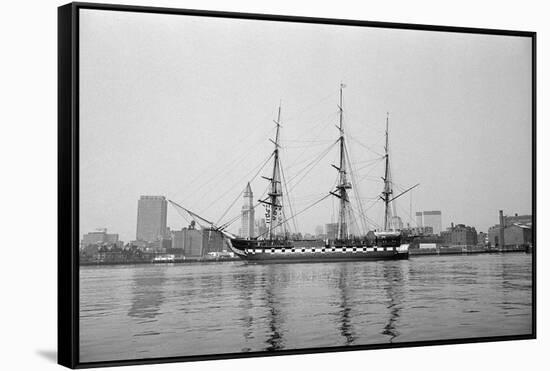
151,218
429,219
247,213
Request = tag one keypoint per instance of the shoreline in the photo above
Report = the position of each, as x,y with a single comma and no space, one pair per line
413,253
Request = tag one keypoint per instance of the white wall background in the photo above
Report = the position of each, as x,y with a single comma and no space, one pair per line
28,155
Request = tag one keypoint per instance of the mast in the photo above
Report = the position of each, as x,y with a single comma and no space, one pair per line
387,192
343,184
275,187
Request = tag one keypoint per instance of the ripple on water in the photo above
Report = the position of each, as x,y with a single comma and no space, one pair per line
193,309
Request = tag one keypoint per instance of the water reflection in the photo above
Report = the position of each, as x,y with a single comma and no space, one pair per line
274,307
190,309
393,287
244,283
346,329
147,294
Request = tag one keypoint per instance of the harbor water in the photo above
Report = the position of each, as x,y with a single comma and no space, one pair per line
163,310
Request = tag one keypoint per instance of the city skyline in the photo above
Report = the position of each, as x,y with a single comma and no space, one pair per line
460,121
326,230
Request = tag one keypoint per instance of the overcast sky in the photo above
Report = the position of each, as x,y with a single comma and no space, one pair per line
183,107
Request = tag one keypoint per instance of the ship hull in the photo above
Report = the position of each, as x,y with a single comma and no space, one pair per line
311,252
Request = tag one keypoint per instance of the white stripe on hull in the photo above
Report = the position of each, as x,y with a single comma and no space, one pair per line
324,254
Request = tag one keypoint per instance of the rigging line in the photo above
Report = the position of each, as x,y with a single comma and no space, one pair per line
308,145
356,189
409,217
181,213
367,175
352,218
364,218
288,195
369,198
230,206
366,162
316,158
371,221
373,204
235,161
324,125
356,194
207,187
240,180
336,181
405,191
357,227
308,140
309,195
364,125
312,164
365,146
373,163
193,215
354,180
307,108
310,160
302,211
235,218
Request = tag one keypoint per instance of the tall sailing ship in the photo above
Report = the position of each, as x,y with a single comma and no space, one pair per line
276,247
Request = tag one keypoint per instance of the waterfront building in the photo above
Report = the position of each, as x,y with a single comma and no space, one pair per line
192,242
141,245
482,239
459,235
429,219
177,240
427,241
100,237
518,219
418,231
162,245
247,214
212,241
511,231
196,243
151,218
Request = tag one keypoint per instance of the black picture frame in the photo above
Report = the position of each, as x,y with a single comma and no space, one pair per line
68,179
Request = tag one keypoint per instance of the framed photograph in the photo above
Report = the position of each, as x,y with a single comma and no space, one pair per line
240,185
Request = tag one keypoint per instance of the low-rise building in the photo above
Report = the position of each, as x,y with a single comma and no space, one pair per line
100,237
195,243
418,231
459,235
512,231
482,239
212,241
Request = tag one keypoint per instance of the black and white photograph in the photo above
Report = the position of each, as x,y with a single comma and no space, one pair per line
262,186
